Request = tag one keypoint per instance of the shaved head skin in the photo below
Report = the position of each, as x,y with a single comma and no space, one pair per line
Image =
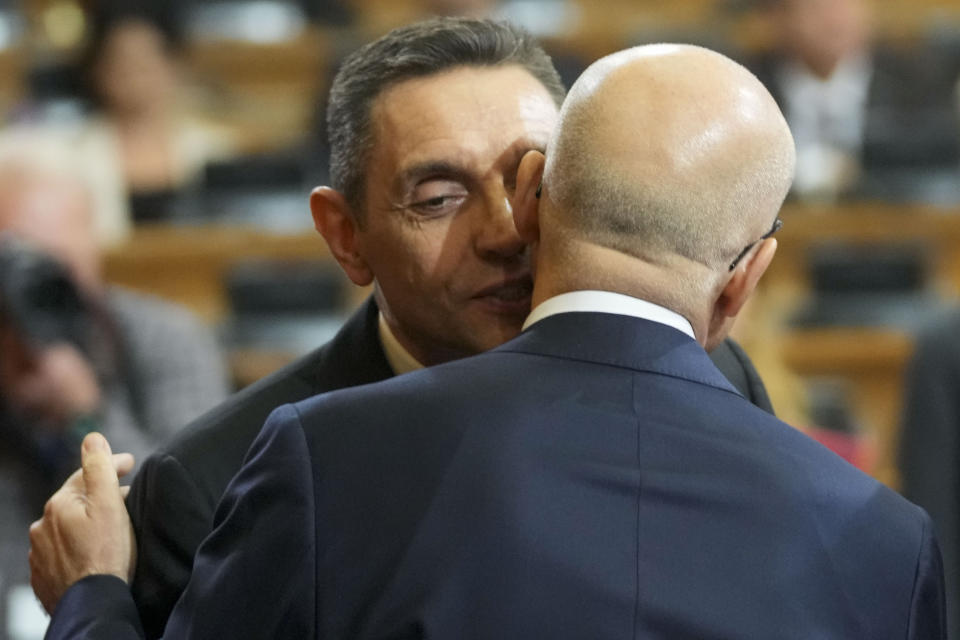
668,162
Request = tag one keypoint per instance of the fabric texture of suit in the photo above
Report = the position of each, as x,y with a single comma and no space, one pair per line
596,477
174,496
930,444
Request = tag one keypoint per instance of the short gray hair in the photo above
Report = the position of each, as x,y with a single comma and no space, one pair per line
417,50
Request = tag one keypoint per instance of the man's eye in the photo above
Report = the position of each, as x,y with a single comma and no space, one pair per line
439,204
437,197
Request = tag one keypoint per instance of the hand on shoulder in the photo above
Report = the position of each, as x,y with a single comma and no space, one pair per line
85,529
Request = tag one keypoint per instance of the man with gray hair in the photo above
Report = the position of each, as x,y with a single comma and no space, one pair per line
427,127
596,477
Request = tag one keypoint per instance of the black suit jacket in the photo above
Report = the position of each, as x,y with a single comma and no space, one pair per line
930,444
596,477
175,493
173,497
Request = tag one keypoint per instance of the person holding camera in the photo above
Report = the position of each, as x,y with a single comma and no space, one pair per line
77,355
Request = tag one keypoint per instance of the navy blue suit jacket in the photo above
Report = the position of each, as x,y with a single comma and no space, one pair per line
174,496
596,477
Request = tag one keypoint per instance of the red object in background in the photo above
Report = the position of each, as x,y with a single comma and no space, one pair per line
855,448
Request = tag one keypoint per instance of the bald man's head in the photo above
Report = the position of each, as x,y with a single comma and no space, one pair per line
669,151
662,181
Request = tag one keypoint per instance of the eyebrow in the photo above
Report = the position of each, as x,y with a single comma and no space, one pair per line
439,169
446,169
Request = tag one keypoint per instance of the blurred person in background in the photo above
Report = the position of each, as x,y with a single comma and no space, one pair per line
133,72
138,138
929,455
76,354
858,110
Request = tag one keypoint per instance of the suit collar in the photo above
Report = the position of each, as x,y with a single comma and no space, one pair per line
353,357
620,341
608,302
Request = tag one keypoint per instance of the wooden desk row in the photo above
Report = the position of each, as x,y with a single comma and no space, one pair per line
182,262
189,264
869,362
269,91
936,230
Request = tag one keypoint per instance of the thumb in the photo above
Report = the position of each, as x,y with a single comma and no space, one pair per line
99,475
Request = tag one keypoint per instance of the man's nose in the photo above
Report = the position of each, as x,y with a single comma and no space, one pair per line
497,235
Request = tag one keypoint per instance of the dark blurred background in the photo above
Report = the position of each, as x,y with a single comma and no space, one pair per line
869,253
199,124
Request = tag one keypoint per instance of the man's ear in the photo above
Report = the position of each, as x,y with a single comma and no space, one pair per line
526,205
333,219
738,289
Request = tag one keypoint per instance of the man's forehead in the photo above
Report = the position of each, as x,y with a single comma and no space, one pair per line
462,94
478,112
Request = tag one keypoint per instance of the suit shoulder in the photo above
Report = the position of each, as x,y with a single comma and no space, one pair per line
413,387
242,415
350,358
822,482
395,406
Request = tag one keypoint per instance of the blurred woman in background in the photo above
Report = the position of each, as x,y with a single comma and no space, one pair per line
139,125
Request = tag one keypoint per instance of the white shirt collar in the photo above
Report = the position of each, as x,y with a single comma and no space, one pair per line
609,302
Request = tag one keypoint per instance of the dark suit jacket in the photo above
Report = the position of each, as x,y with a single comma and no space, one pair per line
596,477
174,495
930,444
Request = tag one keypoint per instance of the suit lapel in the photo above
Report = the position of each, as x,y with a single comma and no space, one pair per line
353,357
